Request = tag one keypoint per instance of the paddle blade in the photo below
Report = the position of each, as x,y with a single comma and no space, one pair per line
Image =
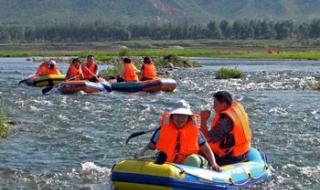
22,81
134,135
46,90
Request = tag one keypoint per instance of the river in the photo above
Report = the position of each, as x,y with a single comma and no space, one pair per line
72,141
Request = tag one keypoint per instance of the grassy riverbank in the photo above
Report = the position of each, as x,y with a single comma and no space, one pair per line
105,56
251,49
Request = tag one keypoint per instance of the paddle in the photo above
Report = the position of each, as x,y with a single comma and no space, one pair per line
49,88
22,81
95,76
138,134
106,85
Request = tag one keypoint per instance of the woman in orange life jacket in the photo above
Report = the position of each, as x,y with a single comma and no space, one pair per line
229,135
48,68
129,72
90,69
180,139
148,70
75,70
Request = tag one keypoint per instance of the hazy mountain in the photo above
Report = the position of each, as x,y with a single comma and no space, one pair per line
37,12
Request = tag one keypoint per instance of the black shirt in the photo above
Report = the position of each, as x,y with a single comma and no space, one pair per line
221,133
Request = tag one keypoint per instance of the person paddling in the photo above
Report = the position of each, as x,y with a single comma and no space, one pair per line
48,68
179,138
75,70
90,69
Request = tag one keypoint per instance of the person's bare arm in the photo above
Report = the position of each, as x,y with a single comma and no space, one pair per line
205,149
150,146
204,115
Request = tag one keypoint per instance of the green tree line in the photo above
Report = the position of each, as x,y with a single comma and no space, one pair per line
99,31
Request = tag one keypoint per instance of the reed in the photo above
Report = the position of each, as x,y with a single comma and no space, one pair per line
4,125
227,73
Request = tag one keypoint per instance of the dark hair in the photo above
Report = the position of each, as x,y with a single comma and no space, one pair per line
75,60
127,60
147,60
90,56
223,96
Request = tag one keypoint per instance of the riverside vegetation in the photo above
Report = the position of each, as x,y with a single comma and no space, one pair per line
5,124
226,73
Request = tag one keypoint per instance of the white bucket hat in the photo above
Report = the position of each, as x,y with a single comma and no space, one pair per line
182,107
52,62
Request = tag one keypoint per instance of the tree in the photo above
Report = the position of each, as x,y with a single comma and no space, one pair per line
213,30
226,29
315,29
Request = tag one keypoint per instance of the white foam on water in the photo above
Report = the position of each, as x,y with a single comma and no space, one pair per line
42,102
279,111
311,171
63,117
35,109
20,103
91,166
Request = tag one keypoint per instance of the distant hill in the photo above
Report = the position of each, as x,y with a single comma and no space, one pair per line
51,12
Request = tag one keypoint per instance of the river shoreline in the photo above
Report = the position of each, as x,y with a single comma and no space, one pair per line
104,51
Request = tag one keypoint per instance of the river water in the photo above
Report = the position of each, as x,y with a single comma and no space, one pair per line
72,141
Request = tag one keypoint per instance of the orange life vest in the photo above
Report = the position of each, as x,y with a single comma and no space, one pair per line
89,72
149,71
75,73
53,71
129,73
44,70
241,131
188,139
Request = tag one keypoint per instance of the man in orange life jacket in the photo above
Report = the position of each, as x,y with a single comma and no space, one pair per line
75,70
179,137
90,69
48,68
128,73
148,70
229,135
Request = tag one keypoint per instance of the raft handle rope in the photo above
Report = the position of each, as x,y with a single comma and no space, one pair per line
182,171
265,158
250,177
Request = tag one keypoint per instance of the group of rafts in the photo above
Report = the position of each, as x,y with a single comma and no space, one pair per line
145,174
83,78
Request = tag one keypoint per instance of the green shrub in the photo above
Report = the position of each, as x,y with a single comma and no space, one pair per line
4,130
4,126
317,86
226,73
124,52
177,61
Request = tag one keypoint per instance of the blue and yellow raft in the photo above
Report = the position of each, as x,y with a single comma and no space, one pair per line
43,81
161,84
135,174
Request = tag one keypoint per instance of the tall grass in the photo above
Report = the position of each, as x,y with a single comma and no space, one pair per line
4,124
226,73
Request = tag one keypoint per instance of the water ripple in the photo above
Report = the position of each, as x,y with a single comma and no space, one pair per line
71,142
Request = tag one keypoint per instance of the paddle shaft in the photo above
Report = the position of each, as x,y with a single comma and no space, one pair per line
95,75
136,134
